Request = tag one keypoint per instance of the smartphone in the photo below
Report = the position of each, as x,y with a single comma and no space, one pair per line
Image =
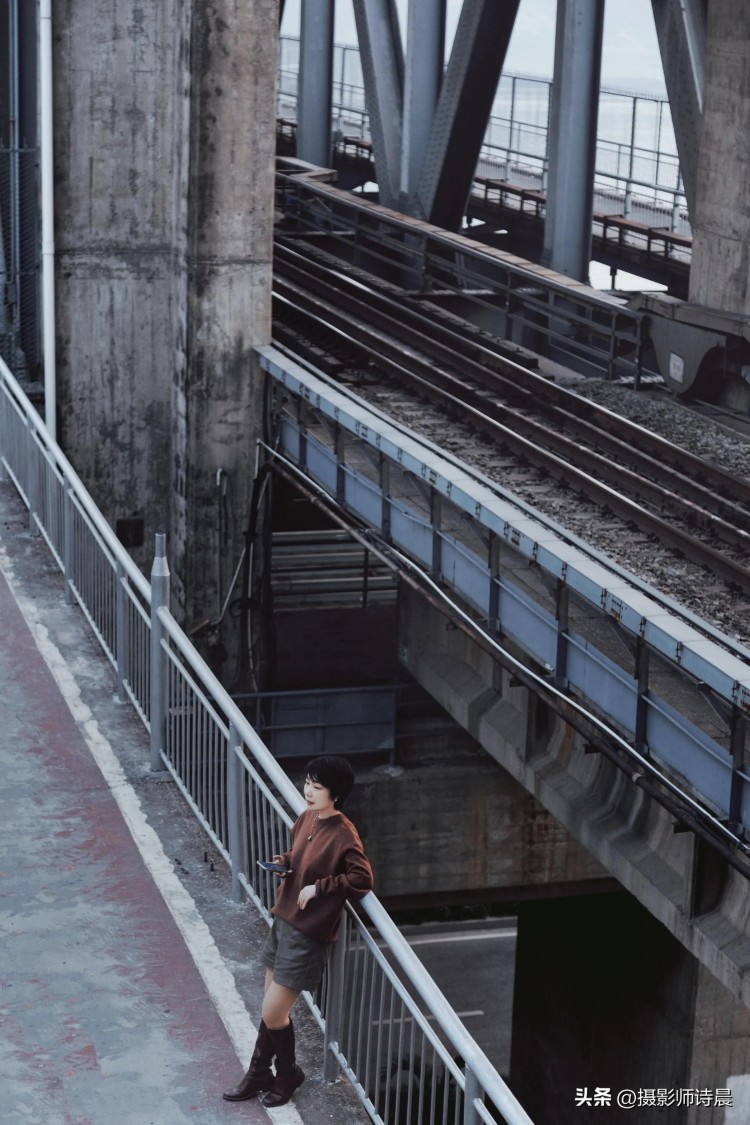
276,868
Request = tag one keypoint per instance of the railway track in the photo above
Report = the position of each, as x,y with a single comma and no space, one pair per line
364,333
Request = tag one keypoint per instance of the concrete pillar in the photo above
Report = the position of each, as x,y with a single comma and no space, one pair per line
121,81
606,998
720,272
232,135
720,1052
165,126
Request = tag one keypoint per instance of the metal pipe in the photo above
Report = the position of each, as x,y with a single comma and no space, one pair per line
48,215
159,601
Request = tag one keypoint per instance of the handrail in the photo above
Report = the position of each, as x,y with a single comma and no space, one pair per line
445,1016
196,727
53,450
247,733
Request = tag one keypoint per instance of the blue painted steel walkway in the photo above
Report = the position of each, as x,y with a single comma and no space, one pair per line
115,1002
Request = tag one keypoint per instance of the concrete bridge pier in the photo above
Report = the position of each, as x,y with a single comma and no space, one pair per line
164,163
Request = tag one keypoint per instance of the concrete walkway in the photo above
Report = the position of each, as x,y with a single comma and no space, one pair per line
118,1002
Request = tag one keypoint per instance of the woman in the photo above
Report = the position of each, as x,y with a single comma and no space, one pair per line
325,866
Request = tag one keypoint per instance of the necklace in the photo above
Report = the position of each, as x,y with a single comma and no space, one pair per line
315,827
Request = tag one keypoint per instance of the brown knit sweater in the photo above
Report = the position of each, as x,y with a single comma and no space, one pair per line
335,862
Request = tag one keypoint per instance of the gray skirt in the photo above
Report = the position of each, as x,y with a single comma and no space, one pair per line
297,960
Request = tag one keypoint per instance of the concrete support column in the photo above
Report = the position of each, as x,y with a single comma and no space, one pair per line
315,83
572,136
720,1051
164,157
121,82
233,113
720,272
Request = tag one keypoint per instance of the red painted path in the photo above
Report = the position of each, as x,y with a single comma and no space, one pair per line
104,1017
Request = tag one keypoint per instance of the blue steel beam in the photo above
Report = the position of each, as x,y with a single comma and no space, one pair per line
572,137
463,110
382,58
315,83
425,52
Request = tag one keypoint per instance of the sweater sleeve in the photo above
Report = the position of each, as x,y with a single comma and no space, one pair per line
354,882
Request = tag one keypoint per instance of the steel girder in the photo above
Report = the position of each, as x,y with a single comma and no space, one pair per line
463,109
572,136
681,32
425,54
315,83
427,133
382,59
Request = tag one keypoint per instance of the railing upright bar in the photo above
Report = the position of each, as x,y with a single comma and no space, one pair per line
4,406
159,601
234,810
68,543
32,481
335,1006
122,640
472,1092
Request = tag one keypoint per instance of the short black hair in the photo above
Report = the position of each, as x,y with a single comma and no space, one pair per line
335,773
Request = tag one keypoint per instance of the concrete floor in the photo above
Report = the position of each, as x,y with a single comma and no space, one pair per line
129,983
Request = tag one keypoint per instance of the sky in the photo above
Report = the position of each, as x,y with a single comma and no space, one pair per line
630,55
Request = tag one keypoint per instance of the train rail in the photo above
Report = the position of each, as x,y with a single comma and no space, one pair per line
360,332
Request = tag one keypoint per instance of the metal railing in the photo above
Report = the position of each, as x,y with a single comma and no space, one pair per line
584,329
391,1031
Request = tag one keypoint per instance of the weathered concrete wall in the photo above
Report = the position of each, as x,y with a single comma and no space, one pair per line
164,168
720,1051
630,835
449,825
720,270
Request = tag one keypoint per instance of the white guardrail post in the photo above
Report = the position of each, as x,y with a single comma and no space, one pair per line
335,1003
121,626
472,1091
234,810
32,477
68,542
159,601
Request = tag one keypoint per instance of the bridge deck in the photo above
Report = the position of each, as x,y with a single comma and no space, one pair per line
111,1006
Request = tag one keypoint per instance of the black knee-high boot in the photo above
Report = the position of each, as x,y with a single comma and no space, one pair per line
259,1076
288,1074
